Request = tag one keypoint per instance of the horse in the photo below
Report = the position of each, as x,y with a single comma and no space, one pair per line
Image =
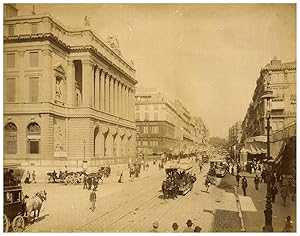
34,204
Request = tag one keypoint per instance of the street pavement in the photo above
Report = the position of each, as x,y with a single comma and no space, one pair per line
253,206
133,206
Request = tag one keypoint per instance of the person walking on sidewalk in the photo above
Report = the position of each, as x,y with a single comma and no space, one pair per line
237,178
232,170
33,177
189,228
263,175
256,181
284,194
288,225
93,199
244,185
274,191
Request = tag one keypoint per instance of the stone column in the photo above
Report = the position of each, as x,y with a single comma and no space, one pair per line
111,95
70,83
133,105
128,103
107,92
116,97
119,99
102,79
87,92
122,101
97,89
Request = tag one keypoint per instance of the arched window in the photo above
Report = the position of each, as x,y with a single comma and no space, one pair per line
33,138
10,135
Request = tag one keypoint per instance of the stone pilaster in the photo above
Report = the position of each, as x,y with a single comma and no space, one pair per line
71,83
107,92
87,72
111,95
102,84
97,88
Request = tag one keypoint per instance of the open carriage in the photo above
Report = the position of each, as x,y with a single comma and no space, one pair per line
13,199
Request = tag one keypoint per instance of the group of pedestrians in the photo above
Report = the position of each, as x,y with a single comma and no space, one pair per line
29,180
175,227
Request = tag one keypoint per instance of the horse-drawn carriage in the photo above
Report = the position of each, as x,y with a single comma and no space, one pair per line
179,180
13,199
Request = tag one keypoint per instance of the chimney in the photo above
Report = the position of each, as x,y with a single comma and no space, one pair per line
275,61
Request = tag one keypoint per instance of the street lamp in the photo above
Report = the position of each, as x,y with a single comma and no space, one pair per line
268,95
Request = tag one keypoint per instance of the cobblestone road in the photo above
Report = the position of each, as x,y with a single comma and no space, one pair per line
133,206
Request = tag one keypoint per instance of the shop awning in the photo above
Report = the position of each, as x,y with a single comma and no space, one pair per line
255,145
276,150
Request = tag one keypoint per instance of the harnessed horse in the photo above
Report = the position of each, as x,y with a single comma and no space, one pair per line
35,204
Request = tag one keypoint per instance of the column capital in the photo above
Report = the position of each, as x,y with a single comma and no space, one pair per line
87,62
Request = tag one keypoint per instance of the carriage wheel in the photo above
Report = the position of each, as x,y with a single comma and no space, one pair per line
5,223
18,224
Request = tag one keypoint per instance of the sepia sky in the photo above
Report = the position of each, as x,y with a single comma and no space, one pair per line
208,56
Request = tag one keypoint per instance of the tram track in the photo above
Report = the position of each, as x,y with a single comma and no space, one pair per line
117,213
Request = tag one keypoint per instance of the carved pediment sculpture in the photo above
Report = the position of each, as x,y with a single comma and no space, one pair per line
113,42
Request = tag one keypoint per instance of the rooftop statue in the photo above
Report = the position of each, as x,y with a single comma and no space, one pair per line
113,42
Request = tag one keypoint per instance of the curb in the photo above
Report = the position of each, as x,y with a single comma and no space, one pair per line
239,209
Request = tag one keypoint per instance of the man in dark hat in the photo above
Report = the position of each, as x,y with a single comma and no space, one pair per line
155,226
198,229
189,228
175,228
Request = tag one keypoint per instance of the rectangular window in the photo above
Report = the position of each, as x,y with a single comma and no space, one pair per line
34,28
11,30
34,59
10,89
34,89
145,143
146,107
280,125
10,60
146,116
146,129
33,146
137,116
155,115
155,106
137,107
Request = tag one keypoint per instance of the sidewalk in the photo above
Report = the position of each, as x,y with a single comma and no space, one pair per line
253,206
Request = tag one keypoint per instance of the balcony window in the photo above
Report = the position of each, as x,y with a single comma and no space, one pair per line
34,28
11,30
10,90
10,60
34,59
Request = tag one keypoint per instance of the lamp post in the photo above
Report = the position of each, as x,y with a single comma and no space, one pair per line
268,95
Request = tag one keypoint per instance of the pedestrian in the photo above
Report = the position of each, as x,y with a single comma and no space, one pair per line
175,228
27,178
189,228
244,185
198,229
288,225
284,194
155,226
237,178
256,181
273,179
121,178
95,183
33,177
90,181
263,175
200,167
84,182
93,199
232,170
207,183
274,191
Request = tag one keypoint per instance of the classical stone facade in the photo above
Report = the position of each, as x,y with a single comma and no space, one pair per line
68,96
166,126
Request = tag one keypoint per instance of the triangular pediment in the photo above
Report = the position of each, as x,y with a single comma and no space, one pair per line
59,69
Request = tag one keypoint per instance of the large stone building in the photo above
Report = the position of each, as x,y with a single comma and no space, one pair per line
166,126
281,79
68,96
234,139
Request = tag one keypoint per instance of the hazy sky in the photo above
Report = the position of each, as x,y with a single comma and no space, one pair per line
208,56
